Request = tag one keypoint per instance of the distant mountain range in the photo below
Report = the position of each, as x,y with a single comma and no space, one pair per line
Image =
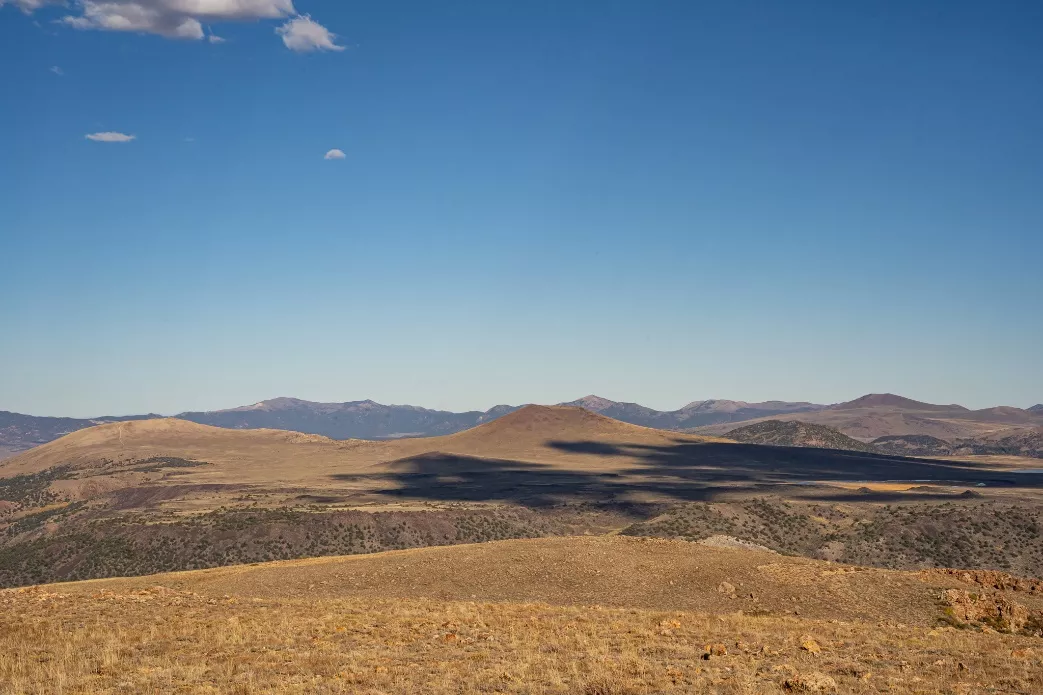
884,414
20,432
695,414
865,419
351,420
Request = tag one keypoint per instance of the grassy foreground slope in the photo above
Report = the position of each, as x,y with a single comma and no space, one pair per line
595,616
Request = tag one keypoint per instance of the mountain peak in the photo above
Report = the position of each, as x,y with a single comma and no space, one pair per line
1038,408
890,400
279,403
591,402
535,425
715,405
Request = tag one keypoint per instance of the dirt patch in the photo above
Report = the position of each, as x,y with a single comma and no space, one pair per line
722,541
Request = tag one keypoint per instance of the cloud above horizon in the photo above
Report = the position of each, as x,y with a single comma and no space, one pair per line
184,19
303,34
110,137
335,154
27,6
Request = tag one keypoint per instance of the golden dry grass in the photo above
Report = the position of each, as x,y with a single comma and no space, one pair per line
512,617
160,641
617,571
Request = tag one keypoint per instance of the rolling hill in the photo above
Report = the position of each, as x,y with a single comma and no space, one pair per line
1027,443
20,432
160,495
884,415
597,616
796,433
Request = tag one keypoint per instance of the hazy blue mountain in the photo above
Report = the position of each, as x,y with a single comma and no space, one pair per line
351,420
19,432
695,414
370,420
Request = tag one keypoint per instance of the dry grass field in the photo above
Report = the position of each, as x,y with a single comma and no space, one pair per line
372,625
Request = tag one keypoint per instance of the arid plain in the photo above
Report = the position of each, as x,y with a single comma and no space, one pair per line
579,554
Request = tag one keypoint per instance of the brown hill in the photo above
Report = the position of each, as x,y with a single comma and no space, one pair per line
881,415
1005,414
536,455
618,571
246,454
527,445
526,433
167,494
893,402
796,433
555,616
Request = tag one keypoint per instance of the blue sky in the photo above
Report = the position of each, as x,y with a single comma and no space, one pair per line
655,202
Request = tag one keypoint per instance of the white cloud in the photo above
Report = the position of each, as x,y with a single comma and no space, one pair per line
57,70
304,34
181,19
335,154
110,137
145,16
184,19
28,6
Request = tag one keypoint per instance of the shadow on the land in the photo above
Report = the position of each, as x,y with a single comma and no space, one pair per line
449,477
684,471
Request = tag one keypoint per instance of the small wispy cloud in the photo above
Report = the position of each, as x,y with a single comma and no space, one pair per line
303,34
190,139
188,19
110,137
335,154
57,70
28,6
